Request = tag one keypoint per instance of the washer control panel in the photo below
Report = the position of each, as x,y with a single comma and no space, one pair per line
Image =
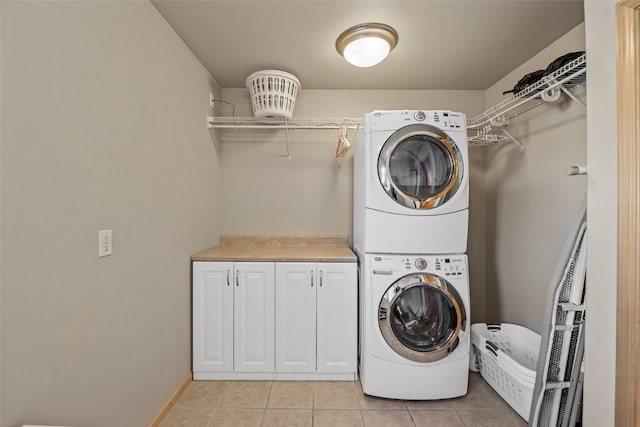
442,265
451,266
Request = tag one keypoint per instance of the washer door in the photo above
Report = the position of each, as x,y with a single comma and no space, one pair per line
420,317
420,167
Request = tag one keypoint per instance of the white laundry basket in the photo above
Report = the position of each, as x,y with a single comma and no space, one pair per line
507,355
273,93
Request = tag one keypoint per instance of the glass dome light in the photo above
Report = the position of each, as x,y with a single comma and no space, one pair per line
365,45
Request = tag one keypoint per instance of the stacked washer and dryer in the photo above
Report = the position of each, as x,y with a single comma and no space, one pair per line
411,198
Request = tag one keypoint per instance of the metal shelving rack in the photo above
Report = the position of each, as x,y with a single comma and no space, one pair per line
548,89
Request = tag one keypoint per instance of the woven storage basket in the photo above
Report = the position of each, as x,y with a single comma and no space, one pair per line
273,93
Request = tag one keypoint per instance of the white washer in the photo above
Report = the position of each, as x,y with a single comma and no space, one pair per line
411,182
414,326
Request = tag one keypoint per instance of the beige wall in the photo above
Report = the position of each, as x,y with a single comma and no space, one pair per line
103,127
531,203
311,192
600,340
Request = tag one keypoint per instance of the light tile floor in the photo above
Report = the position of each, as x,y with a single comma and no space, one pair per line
333,404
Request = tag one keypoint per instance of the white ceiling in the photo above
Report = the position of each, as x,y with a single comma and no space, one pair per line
444,45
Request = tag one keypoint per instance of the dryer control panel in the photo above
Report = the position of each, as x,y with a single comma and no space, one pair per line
450,120
394,119
442,265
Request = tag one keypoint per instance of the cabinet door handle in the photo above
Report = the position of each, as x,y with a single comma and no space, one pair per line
237,277
320,278
228,277
312,278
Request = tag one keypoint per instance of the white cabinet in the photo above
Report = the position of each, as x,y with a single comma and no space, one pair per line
212,317
296,317
233,319
253,315
337,331
265,320
316,319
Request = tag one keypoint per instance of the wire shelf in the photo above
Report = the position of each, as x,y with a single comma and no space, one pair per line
486,139
571,76
282,123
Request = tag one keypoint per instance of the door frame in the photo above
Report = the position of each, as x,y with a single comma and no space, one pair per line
627,402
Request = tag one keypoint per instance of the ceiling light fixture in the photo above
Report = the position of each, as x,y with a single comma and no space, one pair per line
366,45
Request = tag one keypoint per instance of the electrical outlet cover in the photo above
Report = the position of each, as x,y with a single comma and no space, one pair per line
105,243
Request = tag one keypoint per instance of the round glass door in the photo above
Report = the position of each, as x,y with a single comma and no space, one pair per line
420,167
420,317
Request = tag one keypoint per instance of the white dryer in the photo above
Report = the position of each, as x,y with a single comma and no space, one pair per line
414,326
411,182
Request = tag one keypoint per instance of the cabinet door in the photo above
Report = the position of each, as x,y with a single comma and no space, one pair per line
212,317
337,332
254,317
296,285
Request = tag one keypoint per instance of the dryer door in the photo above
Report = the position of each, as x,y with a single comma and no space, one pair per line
420,317
420,167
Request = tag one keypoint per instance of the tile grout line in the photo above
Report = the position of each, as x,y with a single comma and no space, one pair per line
313,404
359,389
266,405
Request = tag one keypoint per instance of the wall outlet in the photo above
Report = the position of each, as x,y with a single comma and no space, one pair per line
105,243
211,99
